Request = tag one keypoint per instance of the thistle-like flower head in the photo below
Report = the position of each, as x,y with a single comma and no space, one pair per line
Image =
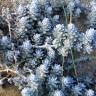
90,92
28,92
59,30
53,83
79,89
39,53
5,42
26,46
22,10
57,93
46,25
42,71
90,34
11,56
67,81
57,70
34,9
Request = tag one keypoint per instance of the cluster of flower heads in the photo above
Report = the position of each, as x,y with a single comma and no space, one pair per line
37,44
64,86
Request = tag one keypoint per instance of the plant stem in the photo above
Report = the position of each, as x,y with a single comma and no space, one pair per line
70,15
66,23
43,46
65,14
63,65
73,62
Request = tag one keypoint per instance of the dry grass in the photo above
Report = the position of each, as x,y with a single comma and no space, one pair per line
5,3
9,91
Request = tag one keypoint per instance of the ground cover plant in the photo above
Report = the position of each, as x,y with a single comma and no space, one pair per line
40,47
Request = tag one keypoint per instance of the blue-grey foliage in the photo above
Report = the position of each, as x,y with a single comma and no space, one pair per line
41,47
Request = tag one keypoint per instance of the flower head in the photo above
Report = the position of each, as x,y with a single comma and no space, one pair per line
57,93
79,89
67,81
90,92
28,92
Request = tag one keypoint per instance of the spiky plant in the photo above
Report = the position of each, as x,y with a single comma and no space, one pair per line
42,44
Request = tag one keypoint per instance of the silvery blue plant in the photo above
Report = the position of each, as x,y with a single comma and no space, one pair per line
79,90
46,25
91,35
5,43
67,82
57,93
37,39
43,44
53,83
57,70
56,19
28,92
90,92
26,47
91,15
76,7
12,56
34,9
42,71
